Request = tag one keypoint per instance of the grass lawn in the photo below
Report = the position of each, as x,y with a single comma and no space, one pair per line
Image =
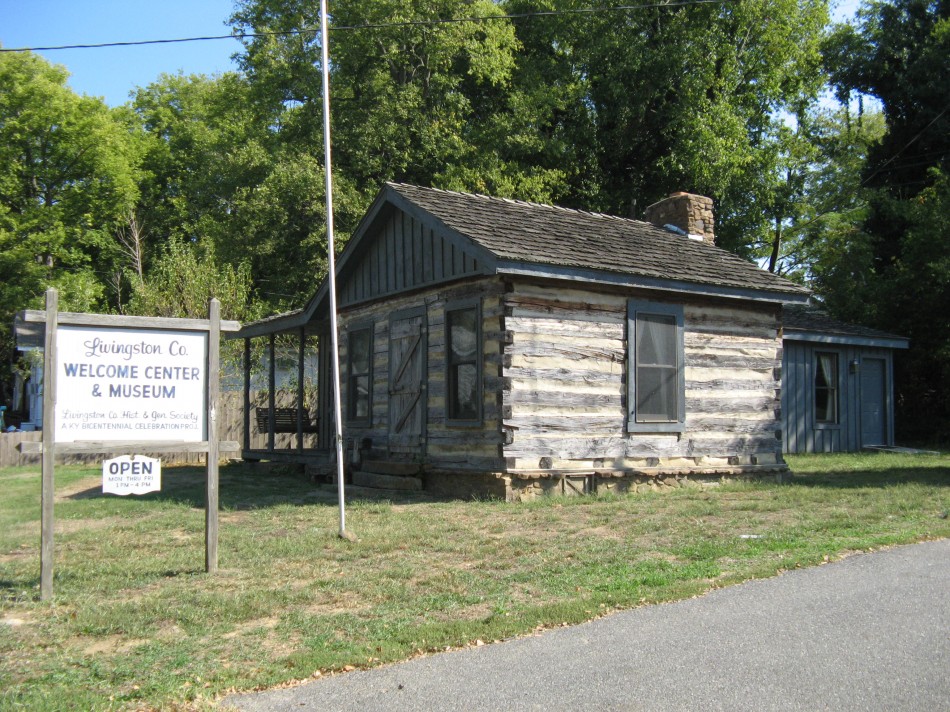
135,623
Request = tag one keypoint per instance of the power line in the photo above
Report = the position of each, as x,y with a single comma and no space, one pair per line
137,43
906,145
376,26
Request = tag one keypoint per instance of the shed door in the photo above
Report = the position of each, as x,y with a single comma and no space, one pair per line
407,375
873,414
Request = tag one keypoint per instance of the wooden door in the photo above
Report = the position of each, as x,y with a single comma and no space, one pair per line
407,383
873,402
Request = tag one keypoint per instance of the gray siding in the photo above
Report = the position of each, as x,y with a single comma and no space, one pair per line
802,433
403,255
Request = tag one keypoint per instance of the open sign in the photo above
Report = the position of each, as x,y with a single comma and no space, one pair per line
131,475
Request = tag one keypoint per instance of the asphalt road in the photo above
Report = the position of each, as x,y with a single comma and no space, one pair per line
870,632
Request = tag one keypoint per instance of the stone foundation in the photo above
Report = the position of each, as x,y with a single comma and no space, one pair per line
466,485
525,486
528,486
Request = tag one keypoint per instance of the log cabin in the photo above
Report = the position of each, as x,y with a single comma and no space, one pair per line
495,347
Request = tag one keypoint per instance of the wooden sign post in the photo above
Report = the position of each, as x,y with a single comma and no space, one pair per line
126,385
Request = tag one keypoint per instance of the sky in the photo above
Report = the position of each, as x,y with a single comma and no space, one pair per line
112,73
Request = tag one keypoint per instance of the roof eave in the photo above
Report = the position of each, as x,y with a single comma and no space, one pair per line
882,342
290,321
616,279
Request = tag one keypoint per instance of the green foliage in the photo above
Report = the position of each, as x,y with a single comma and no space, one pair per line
185,278
575,108
67,176
646,102
412,102
817,201
899,53
218,175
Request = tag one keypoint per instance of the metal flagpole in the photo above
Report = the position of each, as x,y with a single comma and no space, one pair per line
334,336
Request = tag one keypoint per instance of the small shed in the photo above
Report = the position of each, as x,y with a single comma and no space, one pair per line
493,346
837,383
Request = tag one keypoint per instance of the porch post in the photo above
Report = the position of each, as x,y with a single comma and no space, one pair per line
247,394
301,354
271,395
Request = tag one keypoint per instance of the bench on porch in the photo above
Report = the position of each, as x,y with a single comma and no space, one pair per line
285,420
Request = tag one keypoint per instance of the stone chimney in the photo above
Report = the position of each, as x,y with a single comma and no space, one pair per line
693,214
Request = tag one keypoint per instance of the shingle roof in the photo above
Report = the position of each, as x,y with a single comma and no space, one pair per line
548,235
809,319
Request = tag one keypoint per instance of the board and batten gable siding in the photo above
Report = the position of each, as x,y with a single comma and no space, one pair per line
802,433
474,446
565,401
403,255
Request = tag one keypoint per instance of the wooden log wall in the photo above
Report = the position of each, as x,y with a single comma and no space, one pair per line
468,447
565,396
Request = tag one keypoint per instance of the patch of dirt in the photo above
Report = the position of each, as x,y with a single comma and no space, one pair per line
15,621
168,631
470,613
344,602
604,532
277,646
112,645
236,517
68,526
181,535
24,551
85,488
268,623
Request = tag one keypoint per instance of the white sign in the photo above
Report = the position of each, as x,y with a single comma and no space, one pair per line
130,384
131,475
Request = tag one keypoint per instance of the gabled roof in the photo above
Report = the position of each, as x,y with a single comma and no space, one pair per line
809,323
503,236
580,245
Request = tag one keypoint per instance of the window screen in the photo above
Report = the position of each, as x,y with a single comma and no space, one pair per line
657,366
359,378
656,390
463,371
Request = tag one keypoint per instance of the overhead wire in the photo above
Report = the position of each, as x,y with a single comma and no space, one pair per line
375,25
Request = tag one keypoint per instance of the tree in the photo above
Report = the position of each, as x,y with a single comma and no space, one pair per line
418,95
814,198
219,175
67,177
185,277
899,53
660,99
202,143
592,110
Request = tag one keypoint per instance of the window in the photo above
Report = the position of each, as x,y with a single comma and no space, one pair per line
656,391
826,387
359,380
463,364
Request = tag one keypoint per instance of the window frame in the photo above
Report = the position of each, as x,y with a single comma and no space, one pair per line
637,308
450,366
351,390
834,389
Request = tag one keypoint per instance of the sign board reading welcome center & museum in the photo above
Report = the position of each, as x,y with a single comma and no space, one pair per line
130,384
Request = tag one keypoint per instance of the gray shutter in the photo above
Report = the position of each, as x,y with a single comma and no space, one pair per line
656,383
